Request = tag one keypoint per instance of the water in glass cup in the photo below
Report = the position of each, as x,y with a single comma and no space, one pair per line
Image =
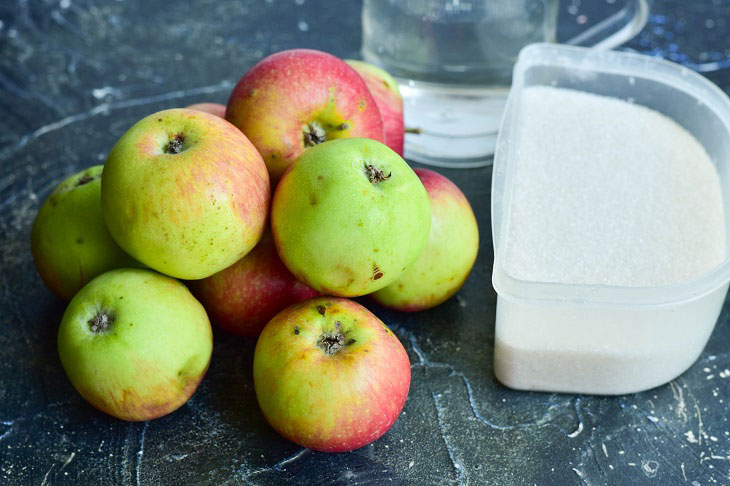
453,61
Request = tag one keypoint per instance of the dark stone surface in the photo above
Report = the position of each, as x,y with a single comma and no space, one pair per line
75,74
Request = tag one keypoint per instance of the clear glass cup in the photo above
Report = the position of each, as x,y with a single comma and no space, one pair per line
453,61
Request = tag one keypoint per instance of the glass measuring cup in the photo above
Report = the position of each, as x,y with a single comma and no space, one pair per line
453,61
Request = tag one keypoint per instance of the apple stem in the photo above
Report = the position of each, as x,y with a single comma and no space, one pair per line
175,145
330,343
314,134
101,322
375,175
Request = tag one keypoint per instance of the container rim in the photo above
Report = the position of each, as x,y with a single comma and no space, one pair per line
599,295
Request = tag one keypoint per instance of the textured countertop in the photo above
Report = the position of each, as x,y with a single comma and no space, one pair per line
75,74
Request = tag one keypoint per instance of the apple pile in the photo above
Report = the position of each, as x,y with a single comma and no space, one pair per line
186,194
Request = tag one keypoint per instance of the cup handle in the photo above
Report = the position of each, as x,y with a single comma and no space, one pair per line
616,29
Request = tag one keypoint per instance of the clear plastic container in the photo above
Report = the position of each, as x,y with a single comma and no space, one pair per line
603,339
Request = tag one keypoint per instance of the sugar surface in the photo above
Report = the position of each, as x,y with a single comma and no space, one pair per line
608,192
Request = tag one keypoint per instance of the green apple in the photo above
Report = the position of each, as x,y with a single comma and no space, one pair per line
449,256
185,192
349,217
69,241
329,375
135,344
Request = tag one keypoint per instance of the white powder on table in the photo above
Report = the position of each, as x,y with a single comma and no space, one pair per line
608,192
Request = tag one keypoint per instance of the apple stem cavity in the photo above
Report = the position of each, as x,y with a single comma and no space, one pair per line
101,322
331,342
375,175
175,145
314,134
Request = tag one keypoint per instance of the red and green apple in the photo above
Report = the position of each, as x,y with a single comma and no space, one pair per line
329,375
296,99
388,98
186,193
245,296
449,255
135,344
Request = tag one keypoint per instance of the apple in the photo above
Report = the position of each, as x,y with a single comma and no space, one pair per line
213,108
388,98
329,375
449,255
296,99
349,217
185,192
245,296
135,344
69,241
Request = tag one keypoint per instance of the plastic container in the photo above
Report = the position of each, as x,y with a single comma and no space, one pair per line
601,339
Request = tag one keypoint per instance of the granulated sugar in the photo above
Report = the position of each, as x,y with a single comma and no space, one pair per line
608,192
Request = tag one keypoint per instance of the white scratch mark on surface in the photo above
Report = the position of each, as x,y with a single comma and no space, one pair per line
711,66
426,363
45,478
649,468
106,108
699,424
577,431
684,474
605,450
679,399
279,465
461,476
720,458
177,457
68,461
140,452
579,428
8,423
101,93
580,474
